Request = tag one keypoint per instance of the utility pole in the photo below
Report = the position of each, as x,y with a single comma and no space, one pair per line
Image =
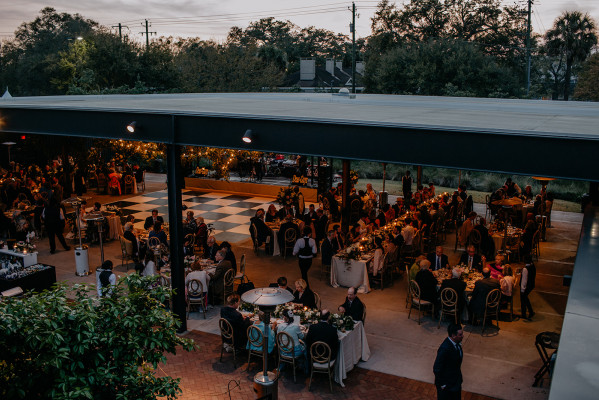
147,33
528,49
353,32
120,26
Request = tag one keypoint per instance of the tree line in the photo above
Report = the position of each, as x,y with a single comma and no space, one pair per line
427,47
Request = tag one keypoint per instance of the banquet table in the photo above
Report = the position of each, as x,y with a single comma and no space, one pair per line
351,273
37,281
498,237
353,347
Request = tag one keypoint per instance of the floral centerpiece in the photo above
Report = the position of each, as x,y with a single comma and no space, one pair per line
342,323
350,253
188,261
24,247
287,196
243,306
307,315
113,208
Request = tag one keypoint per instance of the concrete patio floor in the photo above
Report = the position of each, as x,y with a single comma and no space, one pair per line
499,364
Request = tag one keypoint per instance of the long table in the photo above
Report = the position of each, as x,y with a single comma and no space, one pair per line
350,273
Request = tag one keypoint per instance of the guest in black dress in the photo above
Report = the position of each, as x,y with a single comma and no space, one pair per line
303,295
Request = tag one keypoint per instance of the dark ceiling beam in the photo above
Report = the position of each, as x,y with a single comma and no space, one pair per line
526,153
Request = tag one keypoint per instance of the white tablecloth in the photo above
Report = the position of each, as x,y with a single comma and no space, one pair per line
275,236
353,346
115,229
353,273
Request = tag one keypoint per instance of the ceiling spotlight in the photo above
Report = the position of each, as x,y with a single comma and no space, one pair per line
247,137
131,127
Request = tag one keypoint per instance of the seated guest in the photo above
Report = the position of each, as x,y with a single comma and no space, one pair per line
310,217
320,225
496,268
512,188
380,219
286,226
198,274
529,230
538,205
303,294
415,268
149,264
230,256
211,248
379,257
437,259
389,213
292,329
234,317
507,284
527,193
353,305
479,294
201,232
398,239
271,335
467,227
472,260
271,214
282,284
398,207
217,279
151,220
328,248
427,282
263,232
284,211
323,332
355,235
157,232
130,236
458,285
190,225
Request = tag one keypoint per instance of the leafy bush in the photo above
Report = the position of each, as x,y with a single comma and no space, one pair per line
107,348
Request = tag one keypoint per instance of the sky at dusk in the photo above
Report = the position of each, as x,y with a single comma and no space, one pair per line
212,19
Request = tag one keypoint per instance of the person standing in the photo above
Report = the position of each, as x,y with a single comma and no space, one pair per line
527,284
448,364
305,249
406,185
53,217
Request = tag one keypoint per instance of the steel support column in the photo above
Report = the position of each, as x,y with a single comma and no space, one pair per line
175,211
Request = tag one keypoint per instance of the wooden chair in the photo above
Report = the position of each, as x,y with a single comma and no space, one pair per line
190,240
492,307
449,304
195,296
241,274
142,183
126,251
255,339
320,356
102,183
512,248
227,336
254,235
286,349
385,274
289,243
416,302
317,300
408,293
129,186
228,283
536,247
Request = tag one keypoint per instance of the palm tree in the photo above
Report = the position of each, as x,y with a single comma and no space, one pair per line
573,36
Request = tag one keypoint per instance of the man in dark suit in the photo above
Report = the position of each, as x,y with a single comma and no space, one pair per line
458,285
353,306
282,284
480,292
437,259
328,248
322,332
151,220
472,260
211,248
448,364
284,212
287,225
218,278
320,225
234,317
310,216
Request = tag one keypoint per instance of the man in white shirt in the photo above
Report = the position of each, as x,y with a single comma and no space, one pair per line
408,232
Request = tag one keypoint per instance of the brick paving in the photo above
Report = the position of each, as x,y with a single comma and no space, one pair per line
204,377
